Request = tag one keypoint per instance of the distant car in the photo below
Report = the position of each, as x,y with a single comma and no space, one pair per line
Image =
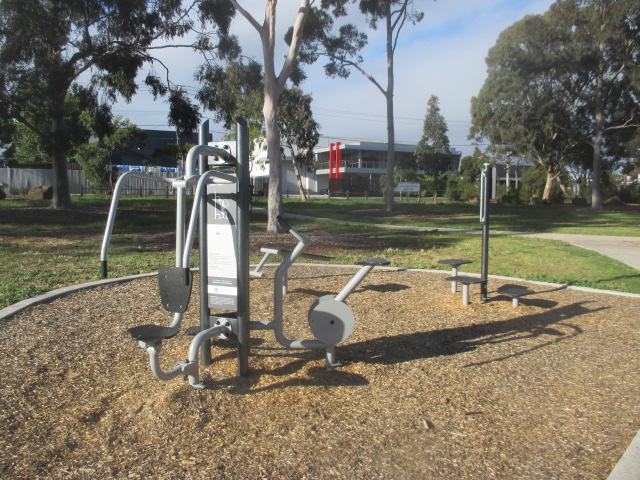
323,191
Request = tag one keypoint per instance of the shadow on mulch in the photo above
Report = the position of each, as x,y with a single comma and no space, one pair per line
405,348
452,341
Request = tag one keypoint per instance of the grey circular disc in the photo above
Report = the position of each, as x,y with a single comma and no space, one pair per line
331,321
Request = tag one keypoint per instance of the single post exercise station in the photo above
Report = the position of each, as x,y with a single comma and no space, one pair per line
221,206
486,187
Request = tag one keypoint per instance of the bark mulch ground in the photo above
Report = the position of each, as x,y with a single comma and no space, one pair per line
430,389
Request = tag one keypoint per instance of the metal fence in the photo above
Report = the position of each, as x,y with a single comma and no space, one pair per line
21,180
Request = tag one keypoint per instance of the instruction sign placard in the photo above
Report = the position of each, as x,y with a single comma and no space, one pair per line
222,245
407,187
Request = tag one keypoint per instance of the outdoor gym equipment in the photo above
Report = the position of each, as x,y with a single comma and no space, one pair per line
221,210
330,319
486,184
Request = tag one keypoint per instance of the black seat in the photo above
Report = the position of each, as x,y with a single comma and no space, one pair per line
374,262
147,333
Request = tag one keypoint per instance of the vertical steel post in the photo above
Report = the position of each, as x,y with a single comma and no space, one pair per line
244,209
485,196
181,209
205,312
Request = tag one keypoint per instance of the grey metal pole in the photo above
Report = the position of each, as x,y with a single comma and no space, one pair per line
485,194
244,209
205,312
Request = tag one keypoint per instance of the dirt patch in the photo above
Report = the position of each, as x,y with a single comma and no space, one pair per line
429,388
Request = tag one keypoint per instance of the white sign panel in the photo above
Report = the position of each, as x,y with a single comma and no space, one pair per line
222,244
407,187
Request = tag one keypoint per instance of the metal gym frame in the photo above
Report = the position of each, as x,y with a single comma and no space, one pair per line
223,195
486,190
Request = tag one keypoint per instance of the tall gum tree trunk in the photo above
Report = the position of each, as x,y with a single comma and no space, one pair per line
596,192
269,111
547,187
303,191
61,194
273,86
391,135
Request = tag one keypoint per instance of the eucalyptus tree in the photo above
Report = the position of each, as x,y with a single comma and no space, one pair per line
275,80
238,90
522,106
601,74
234,90
84,117
342,51
300,131
46,46
564,83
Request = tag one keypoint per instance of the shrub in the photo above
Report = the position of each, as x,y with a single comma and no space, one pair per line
452,192
629,193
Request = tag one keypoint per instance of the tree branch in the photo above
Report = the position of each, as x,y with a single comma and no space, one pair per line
296,43
248,16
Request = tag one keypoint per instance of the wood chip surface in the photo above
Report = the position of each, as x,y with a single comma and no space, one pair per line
429,389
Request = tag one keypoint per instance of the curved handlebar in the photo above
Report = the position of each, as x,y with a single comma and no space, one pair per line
190,164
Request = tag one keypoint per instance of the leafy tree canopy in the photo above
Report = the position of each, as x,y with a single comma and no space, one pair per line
110,39
563,87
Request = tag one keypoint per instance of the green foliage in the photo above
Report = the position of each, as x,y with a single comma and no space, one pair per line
453,191
236,90
183,114
95,158
563,87
629,193
533,180
432,153
25,148
84,116
46,46
298,130
470,169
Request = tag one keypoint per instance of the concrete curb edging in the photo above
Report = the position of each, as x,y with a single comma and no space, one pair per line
60,292
628,467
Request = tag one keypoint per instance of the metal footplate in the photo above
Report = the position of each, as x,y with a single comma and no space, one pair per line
374,262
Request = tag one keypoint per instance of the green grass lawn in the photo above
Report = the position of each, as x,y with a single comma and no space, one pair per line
59,248
617,221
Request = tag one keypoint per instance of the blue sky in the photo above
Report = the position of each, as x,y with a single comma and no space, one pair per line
443,55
